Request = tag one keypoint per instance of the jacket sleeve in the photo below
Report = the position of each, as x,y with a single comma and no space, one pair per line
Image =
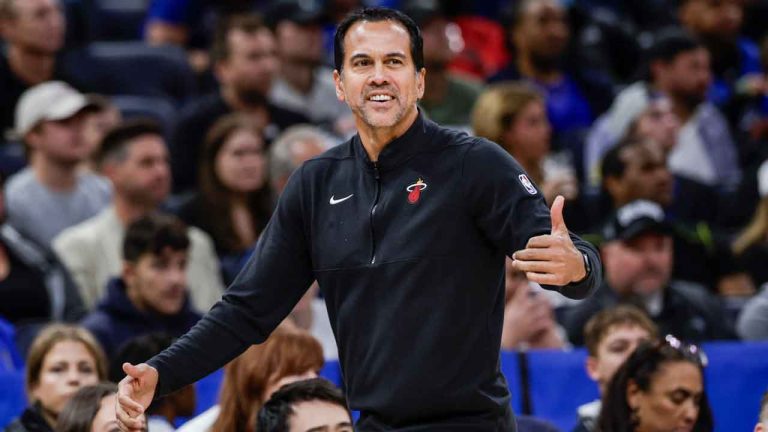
509,209
261,296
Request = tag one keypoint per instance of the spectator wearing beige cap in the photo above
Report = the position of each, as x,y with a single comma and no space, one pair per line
52,194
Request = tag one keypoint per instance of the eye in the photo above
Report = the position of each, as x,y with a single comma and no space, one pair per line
394,61
361,62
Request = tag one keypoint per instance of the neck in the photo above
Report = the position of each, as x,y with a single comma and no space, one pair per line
529,70
54,175
31,68
434,93
299,76
128,211
682,110
375,139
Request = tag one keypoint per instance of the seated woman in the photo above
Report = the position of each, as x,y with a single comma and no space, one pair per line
288,355
234,201
659,387
91,409
61,360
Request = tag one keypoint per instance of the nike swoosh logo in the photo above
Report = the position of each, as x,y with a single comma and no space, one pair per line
336,201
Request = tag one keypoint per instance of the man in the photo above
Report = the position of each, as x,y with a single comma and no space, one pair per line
305,406
405,227
134,157
539,34
762,424
636,170
162,413
33,31
448,98
637,257
150,295
245,64
705,153
53,193
610,337
295,146
303,85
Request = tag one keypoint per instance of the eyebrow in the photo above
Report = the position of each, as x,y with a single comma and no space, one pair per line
391,54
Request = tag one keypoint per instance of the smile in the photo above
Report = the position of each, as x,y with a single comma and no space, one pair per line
381,98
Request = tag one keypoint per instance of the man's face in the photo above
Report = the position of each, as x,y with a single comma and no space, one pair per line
143,176
646,175
302,44
719,19
613,350
686,78
379,80
252,62
319,416
639,266
542,32
97,124
659,123
38,26
158,282
60,141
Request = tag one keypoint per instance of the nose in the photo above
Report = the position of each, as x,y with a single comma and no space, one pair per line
690,412
73,377
379,75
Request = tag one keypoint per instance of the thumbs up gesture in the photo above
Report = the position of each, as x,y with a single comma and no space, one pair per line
134,394
552,259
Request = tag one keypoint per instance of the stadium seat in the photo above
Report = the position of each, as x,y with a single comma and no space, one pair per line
510,367
12,396
115,20
157,108
133,68
207,391
10,360
736,378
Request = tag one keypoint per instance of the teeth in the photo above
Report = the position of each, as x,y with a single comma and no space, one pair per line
381,98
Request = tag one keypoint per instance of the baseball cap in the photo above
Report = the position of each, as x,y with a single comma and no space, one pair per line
636,218
52,100
298,11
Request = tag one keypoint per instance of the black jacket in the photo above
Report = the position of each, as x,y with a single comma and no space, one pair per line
31,420
409,253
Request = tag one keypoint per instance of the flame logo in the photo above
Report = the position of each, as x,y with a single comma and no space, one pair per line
414,191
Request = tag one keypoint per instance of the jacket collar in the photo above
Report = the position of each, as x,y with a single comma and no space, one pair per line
416,139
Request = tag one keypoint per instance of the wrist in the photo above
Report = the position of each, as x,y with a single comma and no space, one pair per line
587,268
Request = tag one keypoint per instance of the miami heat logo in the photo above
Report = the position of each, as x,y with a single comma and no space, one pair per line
414,191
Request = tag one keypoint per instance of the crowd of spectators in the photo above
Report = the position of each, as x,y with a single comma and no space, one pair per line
140,162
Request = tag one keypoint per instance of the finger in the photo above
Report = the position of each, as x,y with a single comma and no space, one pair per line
130,406
556,216
544,278
542,241
538,254
129,423
536,266
134,371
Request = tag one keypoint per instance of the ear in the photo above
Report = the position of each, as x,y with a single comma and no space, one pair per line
420,83
591,367
129,273
633,394
340,94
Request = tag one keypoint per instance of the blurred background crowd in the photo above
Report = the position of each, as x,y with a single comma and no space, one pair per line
145,143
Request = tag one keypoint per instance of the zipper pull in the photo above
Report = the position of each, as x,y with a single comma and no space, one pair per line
376,170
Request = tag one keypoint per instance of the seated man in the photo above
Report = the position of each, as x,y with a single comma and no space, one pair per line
162,413
611,336
303,406
151,294
134,157
637,258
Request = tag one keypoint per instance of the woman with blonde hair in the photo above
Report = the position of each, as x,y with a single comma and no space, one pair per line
288,355
61,360
514,116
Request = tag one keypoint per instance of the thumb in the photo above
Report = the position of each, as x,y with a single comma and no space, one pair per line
556,215
134,371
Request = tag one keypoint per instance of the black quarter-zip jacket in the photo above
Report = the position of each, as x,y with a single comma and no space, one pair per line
409,253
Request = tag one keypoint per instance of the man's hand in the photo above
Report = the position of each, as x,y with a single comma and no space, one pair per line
134,394
552,259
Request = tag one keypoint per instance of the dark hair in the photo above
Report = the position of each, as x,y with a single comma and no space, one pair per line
668,44
623,315
613,163
79,412
376,14
115,143
249,23
640,368
275,414
217,198
152,234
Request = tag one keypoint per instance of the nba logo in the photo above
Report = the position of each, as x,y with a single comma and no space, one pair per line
527,184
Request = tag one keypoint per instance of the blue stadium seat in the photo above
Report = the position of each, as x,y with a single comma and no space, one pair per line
332,372
10,360
115,20
736,378
559,385
133,68
510,367
157,108
12,396
207,391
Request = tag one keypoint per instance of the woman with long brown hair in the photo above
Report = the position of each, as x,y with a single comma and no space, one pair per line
288,355
234,201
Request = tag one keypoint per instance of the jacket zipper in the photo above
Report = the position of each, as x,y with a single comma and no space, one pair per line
373,210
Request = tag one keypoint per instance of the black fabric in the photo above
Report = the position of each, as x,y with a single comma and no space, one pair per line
413,282
25,296
188,136
30,421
